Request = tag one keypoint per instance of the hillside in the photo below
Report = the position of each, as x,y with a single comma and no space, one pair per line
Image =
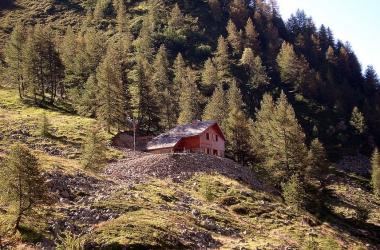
174,201
301,119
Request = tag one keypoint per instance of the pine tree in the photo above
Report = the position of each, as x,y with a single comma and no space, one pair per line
279,140
13,53
294,70
22,186
358,121
164,89
256,71
189,98
222,61
234,38
94,150
237,126
176,20
216,108
318,164
112,94
375,164
68,52
251,37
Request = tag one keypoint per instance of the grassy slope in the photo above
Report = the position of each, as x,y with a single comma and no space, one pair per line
164,213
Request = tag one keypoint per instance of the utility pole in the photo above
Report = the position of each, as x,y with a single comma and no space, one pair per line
134,123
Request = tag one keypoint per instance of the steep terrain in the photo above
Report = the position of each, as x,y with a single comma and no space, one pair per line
174,201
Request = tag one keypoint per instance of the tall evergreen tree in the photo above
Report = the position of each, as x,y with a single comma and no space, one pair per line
294,70
111,99
279,140
14,58
189,99
22,186
237,126
179,70
94,149
234,38
144,98
222,61
318,164
121,16
210,74
251,37
255,68
164,89
216,107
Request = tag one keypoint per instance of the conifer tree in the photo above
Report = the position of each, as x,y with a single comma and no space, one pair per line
237,126
121,17
144,42
94,149
256,71
45,126
222,61
234,38
294,70
210,74
375,164
318,164
176,19
216,107
294,193
22,186
68,52
189,98
164,89
251,37
88,100
144,99
279,140
111,99
357,121
14,58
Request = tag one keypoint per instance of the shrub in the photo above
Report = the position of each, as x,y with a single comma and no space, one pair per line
94,149
45,126
70,241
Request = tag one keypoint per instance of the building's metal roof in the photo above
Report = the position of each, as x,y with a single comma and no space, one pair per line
172,137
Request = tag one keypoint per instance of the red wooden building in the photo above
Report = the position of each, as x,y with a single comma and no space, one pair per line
198,137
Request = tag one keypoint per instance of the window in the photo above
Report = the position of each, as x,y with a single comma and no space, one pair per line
207,136
208,151
216,137
215,152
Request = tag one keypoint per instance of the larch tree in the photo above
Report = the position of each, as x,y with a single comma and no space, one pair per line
222,61
144,98
216,107
121,16
210,74
318,163
111,99
88,101
358,121
237,126
251,38
255,68
13,53
189,99
375,175
22,186
94,149
234,38
279,140
164,89
293,69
